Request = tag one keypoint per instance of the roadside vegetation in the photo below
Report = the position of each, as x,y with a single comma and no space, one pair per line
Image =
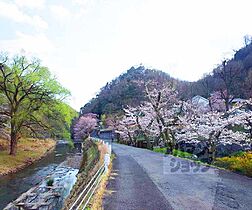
29,149
175,152
240,162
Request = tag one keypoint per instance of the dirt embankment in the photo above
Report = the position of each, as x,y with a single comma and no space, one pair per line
28,151
93,158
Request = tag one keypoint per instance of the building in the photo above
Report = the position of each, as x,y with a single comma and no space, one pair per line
201,102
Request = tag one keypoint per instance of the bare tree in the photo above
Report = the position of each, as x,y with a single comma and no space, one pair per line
247,40
228,73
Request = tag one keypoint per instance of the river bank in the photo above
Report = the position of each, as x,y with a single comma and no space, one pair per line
50,196
15,184
29,151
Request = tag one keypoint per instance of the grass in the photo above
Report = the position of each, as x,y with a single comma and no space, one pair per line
103,151
90,156
175,152
28,151
181,154
160,150
70,143
240,162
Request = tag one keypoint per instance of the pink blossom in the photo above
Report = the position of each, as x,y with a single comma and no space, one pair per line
84,126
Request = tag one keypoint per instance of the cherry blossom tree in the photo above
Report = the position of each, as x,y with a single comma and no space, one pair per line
144,122
166,109
243,114
157,117
84,126
167,119
217,102
213,127
127,129
123,126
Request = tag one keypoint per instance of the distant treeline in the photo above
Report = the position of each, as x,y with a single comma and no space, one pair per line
232,78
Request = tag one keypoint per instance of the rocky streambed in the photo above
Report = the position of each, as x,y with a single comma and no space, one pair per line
51,188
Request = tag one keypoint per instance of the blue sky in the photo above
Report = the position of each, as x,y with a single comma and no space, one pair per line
86,43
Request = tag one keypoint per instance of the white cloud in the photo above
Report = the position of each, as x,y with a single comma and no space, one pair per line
105,37
60,12
37,21
177,36
31,4
84,6
81,2
12,12
36,45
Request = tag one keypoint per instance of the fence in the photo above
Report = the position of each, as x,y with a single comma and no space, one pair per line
85,196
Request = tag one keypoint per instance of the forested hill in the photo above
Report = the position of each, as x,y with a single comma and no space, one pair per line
233,76
127,89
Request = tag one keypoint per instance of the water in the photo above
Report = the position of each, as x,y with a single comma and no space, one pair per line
13,185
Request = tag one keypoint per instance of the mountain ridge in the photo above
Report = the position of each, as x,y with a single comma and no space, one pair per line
128,88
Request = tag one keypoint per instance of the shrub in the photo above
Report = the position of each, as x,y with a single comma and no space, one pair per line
50,182
160,150
240,162
238,154
175,152
181,154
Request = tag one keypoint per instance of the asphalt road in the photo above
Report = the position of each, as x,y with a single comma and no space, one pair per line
145,180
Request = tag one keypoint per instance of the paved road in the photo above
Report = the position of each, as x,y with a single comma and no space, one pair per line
144,180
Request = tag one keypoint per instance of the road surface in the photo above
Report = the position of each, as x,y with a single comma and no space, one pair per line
145,180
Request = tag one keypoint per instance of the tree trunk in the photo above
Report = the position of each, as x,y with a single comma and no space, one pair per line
210,104
147,139
168,140
227,104
143,132
148,142
169,148
13,143
250,131
13,137
212,153
131,139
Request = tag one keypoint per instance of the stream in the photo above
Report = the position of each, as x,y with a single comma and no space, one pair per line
13,185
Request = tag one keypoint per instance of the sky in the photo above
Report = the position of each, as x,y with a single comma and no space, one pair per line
87,43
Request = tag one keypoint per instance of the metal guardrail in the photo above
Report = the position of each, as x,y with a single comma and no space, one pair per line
85,196
94,187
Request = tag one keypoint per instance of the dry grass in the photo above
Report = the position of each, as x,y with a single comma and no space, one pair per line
28,151
103,150
240,163
96,202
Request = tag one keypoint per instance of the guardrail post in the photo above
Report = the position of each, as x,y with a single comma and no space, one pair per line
106,161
